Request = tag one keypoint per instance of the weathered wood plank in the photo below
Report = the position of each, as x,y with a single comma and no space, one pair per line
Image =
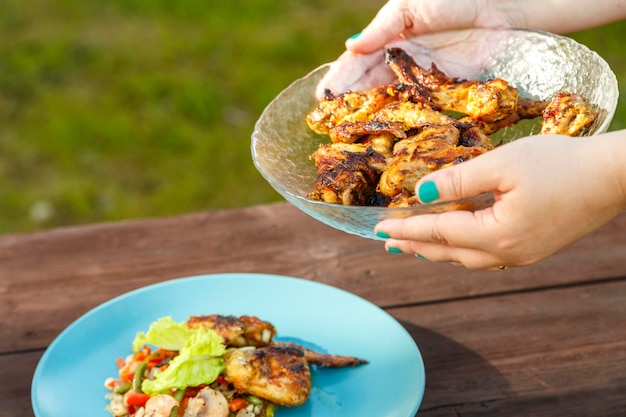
16,373
558,352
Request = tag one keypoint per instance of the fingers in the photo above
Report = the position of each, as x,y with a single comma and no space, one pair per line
461,229
390,21
465,180
435,252
352,72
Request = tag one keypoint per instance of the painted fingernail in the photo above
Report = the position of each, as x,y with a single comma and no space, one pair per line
419,256
394,250
356,35
428,192
382,235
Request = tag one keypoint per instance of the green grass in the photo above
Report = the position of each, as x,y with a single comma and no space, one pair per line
126,109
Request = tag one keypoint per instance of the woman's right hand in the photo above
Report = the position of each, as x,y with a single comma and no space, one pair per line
408,18
363,66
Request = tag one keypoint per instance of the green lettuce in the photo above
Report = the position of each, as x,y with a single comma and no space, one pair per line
199,360
164,333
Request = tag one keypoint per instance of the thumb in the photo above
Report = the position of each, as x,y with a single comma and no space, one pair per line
467,179
386,26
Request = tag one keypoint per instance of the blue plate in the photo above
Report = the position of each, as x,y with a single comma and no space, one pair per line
69,379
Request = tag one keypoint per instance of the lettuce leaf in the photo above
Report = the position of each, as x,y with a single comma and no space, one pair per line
164,333
199,360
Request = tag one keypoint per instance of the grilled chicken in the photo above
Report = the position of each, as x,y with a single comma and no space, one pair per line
348,173
490,100
386,138
236,331
280,372
323,359
568,114
349,116
432,148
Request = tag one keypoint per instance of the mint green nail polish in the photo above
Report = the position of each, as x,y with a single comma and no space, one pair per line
420,256
394,250
356,35
428,192
382,235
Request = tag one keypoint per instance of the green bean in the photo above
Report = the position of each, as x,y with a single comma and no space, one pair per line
178,395
138,378
123,388
254,400
174,412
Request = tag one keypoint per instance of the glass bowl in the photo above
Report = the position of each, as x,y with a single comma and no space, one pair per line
539,64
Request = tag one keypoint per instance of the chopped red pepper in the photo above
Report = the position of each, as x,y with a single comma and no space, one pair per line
237,404
136,399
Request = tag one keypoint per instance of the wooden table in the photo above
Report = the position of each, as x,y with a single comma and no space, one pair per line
547,340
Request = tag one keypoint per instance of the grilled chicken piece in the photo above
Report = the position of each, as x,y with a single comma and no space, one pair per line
489,105
348,116
351,107
347,173
276,373
489,100
568,114
280,372
322,359
432,148
236,331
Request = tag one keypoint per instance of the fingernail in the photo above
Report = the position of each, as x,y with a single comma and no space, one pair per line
356,35
419,256
394,250
428,192
382,235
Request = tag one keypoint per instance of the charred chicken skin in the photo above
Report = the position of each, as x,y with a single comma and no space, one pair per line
278,374
383,140
236,331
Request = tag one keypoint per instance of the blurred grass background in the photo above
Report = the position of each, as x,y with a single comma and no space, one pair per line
128,109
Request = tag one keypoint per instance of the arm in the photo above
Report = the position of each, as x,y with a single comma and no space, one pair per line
409,18
550,191
565,16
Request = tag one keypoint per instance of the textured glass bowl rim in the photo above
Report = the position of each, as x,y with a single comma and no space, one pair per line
314,207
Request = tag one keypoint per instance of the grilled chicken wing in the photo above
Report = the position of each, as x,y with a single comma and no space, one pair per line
323,359
353,107
568,114
236,331
432,148
489,100
280,372
348,172
349,116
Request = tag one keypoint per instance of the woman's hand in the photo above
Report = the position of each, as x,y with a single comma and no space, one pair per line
399,19
549,192
398,23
